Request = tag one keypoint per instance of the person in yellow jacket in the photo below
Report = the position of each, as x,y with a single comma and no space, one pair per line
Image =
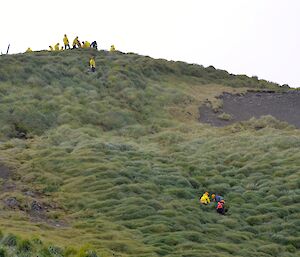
112,48
66,42
56,47
92,64
86,44
51,48
29,50
205,198
76,43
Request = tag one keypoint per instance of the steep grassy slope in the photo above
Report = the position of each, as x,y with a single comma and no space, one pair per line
118,159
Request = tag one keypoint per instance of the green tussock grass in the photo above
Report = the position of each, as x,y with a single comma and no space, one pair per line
12,245
122,160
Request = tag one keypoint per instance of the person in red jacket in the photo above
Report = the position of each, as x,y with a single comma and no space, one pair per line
220,208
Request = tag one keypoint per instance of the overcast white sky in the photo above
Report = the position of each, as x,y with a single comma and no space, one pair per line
253,37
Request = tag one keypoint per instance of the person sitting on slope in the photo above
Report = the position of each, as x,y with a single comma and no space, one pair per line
205,198
220,208
112,48
57,47
86,44
216,198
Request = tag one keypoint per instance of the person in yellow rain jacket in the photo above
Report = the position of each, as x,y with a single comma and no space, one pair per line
76,43
92,64
29,50
112,48
51,48
205,198
56,47
66,42
86,44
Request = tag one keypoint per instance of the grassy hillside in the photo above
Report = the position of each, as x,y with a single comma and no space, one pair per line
116,160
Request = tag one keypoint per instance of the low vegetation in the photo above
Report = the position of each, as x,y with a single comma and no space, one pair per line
117,160
12,245
224,116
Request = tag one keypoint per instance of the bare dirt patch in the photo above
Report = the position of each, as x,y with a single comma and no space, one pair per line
242,107
36,209
4,172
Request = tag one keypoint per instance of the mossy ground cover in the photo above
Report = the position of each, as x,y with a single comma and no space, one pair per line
121,155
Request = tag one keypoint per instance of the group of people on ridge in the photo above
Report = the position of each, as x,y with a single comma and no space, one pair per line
77,44
217,199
